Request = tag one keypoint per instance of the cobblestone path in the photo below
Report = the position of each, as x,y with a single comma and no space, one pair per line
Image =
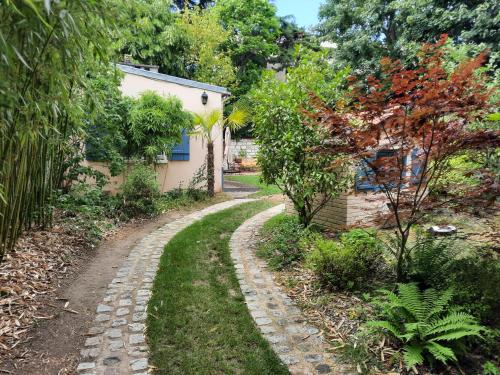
299,345
116,345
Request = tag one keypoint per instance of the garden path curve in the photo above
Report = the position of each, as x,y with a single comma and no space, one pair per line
116,344
299,345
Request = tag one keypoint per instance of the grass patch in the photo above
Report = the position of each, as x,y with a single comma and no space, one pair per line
254,180
198,322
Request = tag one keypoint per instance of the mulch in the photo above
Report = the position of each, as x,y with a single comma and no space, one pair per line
29,276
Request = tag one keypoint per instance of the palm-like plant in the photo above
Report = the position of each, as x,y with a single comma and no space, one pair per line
424,322
205,124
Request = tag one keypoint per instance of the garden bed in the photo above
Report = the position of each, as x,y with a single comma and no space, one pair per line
342,313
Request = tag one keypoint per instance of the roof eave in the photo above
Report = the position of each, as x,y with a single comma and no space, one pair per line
173,79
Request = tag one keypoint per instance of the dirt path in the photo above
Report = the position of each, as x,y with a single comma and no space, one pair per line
54,345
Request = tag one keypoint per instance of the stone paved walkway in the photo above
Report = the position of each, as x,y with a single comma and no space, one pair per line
299,345
116,345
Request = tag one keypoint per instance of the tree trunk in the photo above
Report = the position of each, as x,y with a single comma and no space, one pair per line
210,170
400,269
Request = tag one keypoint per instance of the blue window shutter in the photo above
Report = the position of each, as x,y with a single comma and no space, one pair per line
180,152
416,167
362,181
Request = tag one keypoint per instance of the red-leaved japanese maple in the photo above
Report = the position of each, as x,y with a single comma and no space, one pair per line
405,126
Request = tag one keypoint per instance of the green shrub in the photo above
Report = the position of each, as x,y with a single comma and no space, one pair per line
349,263
141,191
88,209
424,323
283,241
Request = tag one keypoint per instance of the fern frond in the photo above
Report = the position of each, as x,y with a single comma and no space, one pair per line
451,321
385,325
412,355
469,330
440,352
411,299
435,302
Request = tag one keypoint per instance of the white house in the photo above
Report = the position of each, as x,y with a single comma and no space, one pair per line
190,155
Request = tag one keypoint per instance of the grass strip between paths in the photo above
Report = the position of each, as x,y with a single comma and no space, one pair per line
254,180
197,321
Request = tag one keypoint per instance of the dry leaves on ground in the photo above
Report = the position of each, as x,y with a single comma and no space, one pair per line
28,275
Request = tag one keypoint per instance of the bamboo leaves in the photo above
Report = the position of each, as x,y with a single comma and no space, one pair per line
40,88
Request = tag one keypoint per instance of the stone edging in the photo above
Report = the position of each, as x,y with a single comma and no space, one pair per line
300,346
116,344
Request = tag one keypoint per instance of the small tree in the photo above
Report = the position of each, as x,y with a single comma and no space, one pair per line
405,127
206,124
284,140
156,125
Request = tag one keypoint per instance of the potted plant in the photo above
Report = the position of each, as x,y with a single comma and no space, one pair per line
241,155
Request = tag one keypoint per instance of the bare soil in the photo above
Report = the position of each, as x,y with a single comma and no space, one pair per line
53,345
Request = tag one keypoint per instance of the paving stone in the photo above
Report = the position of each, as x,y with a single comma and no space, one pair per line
267,329
323,369
95,330
103,308
263,321
124,302
114,333
313,357
122,311
118,322
288,359
137,327
138,351
139,317
89,353
93,341
312,330
111,360
136,339
274,339
84,366
139,364
102,318
116,345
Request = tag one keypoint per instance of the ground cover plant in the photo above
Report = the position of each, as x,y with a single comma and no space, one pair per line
256,181
283,242
197,318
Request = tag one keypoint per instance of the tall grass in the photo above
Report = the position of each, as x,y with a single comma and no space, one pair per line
43,49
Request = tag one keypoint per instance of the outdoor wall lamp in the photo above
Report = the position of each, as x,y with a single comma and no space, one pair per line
204,98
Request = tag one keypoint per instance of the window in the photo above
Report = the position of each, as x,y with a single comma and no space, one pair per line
365,175
180,152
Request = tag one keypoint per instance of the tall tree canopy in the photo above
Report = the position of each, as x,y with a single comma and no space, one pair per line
365,31
147,31
254,29
205,60
289,37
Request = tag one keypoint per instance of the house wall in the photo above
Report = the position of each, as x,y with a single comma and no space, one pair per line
175,173
349,210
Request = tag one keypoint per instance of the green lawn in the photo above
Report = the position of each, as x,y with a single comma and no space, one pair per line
254,180
197,321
